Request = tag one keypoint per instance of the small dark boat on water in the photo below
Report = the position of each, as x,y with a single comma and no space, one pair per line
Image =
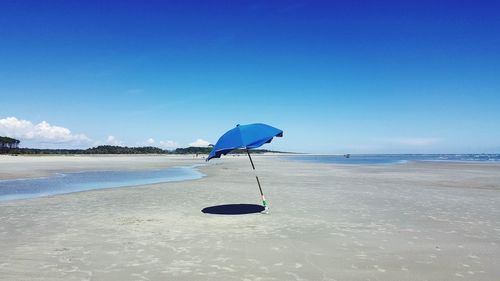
347,155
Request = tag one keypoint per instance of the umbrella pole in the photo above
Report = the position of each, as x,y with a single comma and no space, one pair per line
264,203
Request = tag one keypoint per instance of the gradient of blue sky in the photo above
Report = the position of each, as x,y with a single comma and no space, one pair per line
336,76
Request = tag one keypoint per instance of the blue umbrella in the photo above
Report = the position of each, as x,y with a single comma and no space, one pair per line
247,137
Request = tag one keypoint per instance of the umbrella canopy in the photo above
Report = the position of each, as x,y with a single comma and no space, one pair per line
244,136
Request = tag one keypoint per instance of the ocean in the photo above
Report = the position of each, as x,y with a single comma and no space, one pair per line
378,159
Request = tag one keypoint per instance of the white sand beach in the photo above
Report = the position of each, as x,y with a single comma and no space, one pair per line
413,221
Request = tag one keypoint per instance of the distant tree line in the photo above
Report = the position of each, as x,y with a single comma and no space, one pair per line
192,150
11,146
112,149
103,149
7,143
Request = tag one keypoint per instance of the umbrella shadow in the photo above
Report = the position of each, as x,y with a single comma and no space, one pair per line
233,209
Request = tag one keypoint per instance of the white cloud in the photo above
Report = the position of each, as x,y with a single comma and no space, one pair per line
111,140
150,141
199,143
414,141
169,144
41,133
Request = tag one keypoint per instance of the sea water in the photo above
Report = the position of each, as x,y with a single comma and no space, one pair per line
83,181
377,159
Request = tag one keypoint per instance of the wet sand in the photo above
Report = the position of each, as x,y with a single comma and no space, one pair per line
12,167
414,221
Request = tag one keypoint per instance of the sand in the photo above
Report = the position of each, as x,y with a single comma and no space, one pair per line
414,221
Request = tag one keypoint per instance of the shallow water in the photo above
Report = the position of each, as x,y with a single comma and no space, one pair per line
83,181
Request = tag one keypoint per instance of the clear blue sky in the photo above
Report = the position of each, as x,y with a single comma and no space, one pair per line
336,76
